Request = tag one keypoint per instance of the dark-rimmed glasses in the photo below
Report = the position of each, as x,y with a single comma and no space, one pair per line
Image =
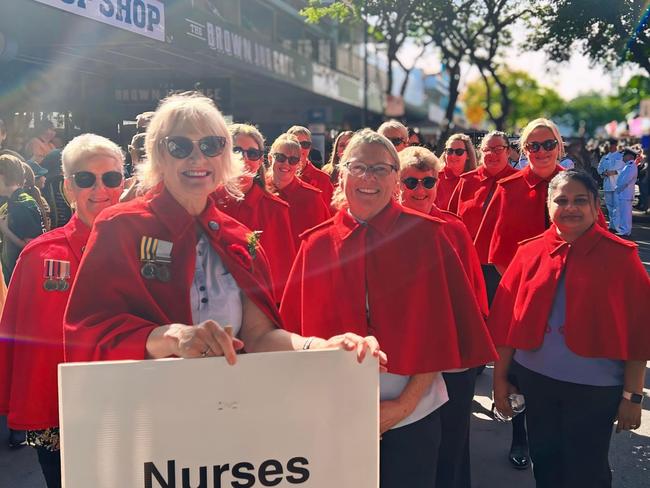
180,147
252,154
283,158
458,152
547,145
412,182
86,179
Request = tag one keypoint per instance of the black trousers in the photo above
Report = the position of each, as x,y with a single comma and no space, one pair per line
569,430
453,457
492,279
408,455
50,462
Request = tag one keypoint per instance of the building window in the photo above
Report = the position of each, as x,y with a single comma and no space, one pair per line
257,18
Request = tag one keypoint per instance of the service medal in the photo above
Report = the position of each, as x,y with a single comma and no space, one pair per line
62,285
162,273
49,285
148,271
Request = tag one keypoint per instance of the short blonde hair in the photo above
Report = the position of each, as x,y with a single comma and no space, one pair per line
419,158
188,112
360,138
541,122
393,124
88,146
470,162
251,131
299,130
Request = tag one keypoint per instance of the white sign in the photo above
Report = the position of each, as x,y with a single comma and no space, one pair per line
144,17
274,419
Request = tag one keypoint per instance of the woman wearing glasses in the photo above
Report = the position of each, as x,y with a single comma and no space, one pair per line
39,291
258,209
517,210
402,281
306,206
182,272
419,169
307,172
458,157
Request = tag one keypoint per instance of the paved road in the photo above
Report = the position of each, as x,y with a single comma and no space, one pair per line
629,454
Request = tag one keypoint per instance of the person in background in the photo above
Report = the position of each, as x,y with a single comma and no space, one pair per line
332,167
316,157
54,192
458,157
307,172
608,168
142,122
625,183
306,207
138,155
513,153
38,295
415,138
263,213
39,173
357,270
570,323
419,169
396,133
41,144
33,190
23,221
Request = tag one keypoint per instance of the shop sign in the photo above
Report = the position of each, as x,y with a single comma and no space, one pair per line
217,38
337,85
143,17
305,419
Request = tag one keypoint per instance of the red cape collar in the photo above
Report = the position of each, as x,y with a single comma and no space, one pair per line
533,180
382,222
582,245
77,233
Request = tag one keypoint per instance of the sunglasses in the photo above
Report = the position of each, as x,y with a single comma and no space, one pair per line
495,149
283,158
181,147
86,179
305,144
251,154
412,183
547,145
397,141
457,152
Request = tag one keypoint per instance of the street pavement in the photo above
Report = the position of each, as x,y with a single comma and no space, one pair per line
490,440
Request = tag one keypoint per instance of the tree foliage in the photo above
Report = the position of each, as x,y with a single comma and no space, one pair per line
610,32
528,100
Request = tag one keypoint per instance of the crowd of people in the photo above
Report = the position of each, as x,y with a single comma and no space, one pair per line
437,266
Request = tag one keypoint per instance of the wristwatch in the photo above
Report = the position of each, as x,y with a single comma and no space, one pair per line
633,397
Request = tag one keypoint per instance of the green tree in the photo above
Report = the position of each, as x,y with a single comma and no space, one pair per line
588,112
610,33
527,99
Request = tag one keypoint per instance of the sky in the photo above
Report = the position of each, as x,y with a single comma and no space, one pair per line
569,79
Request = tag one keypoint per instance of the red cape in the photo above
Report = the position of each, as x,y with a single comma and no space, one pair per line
607,289
113,322
31,330
261,211
459,237
306,207
468,199
446,184
422,307
318,179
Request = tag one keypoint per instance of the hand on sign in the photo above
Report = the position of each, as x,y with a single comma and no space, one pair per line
353,342
628,416
202,340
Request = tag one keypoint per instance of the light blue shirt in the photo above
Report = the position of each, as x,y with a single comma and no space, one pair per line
215,294
610,162
626,181
555,360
